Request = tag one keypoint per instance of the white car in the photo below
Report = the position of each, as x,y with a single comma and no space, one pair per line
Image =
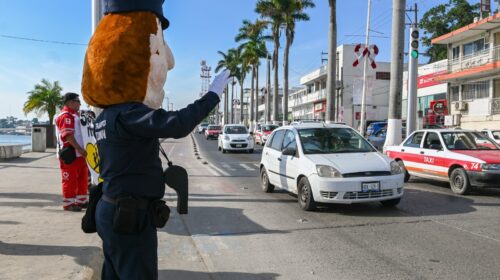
329,163
202,127
235,137
493,134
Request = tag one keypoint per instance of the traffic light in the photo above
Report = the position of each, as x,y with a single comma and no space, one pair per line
414,35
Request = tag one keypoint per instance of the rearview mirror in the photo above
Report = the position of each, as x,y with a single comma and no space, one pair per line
289,152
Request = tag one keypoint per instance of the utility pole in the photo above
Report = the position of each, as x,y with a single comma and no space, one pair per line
365,72
97,14
411,116
226,107
396,84
332,68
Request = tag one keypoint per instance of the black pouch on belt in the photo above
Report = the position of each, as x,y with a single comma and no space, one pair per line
128,217
67,154
160,213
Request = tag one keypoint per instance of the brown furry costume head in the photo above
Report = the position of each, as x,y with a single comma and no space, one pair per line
127,60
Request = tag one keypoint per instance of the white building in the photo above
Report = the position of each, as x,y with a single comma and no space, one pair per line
473,73
432,106
310,102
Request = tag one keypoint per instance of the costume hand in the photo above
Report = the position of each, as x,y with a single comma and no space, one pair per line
220,82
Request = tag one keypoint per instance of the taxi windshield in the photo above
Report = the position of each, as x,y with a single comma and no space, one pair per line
267,128
465,140
333,140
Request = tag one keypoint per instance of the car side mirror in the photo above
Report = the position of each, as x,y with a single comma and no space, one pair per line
289,152
435,147
251,133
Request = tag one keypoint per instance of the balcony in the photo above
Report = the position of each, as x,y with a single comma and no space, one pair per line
476,65
307,98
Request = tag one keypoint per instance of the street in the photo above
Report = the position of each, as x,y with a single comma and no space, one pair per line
236,231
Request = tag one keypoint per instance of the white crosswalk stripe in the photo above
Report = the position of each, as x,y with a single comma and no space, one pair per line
227,166
247,167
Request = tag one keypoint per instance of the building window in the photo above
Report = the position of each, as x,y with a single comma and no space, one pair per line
476,90
456,52
383,76
455,93
474,47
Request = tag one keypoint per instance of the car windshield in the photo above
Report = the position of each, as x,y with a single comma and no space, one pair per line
465,140
496,134
268,128
333,140
204,124
235,130
213,127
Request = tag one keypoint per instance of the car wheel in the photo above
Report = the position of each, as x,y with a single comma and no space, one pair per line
459,181
390,202
407,175
223,151
264,181
305,195
250,151
218,147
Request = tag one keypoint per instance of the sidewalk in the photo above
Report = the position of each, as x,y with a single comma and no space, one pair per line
38,240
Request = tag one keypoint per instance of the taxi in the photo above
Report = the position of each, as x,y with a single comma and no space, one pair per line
464,158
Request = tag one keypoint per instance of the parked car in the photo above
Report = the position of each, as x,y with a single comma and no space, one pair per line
297,122
263,133
212,131
493,134
374,127
329,163
202,127
378,138
464,158
235,137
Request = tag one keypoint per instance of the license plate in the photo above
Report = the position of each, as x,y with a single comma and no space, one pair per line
370,187
239,146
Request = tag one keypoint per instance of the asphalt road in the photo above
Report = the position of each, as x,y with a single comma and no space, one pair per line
235,231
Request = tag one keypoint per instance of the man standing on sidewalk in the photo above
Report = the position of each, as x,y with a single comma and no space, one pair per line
74,174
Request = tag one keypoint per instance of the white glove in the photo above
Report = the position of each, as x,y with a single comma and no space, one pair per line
220,82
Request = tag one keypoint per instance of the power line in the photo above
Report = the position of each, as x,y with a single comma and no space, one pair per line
40,40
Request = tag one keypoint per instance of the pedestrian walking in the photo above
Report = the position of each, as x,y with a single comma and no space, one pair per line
71,155
124,73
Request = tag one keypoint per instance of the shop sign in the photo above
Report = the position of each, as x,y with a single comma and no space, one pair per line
429,79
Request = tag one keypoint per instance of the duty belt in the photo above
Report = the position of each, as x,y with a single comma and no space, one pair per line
142,203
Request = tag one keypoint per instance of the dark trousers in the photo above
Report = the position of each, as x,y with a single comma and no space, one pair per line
126,256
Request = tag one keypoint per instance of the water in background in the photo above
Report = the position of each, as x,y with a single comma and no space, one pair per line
16,139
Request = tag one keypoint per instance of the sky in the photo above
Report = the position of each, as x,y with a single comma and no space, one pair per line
198,29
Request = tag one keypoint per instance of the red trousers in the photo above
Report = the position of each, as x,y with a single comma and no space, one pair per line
74,182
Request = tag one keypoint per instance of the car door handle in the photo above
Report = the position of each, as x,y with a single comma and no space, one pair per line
279,159
402,150
422,152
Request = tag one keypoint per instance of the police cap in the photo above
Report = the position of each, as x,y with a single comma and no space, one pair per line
121,6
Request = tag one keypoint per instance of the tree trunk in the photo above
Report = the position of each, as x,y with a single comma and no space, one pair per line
332,61
285,80
256,94
232,100
226,91
268,91
251,117
276,78
241,102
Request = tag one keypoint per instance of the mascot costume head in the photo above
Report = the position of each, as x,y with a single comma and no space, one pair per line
127,58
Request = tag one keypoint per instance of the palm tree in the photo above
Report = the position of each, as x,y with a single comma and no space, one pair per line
240,74
253,50
283,13
45,98
229,62
331,78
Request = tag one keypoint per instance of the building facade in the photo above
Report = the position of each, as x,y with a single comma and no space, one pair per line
309,102
473,74
432,105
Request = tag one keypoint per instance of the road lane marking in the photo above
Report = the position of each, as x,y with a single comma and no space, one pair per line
247,167
219,170
227,166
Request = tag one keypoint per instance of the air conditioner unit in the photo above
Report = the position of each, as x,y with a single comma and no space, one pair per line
461,106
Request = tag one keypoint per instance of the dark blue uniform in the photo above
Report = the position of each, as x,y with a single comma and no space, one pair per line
127,138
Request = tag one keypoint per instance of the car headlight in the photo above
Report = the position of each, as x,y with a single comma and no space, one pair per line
226,138
328,171
250,138
487,166
396,168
